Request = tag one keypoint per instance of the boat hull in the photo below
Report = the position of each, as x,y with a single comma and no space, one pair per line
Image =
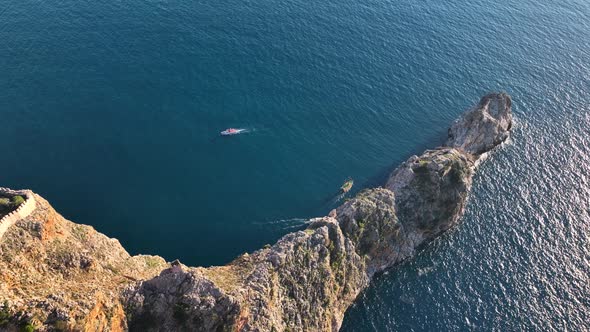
230,133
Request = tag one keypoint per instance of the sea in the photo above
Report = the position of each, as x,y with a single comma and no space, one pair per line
112,110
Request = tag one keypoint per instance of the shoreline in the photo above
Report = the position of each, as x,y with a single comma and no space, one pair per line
305,281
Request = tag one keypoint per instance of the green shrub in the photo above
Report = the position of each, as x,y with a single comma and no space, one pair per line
4,205
27,328
152,262
17,200
4,314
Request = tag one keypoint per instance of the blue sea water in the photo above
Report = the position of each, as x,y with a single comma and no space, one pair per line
111,110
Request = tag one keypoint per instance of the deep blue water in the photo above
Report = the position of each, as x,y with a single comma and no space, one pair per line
111,110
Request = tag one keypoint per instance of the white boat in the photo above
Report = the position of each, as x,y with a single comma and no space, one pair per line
232,131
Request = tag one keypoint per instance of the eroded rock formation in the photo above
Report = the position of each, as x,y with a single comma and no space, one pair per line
304,282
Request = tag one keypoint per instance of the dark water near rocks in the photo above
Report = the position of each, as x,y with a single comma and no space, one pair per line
111,111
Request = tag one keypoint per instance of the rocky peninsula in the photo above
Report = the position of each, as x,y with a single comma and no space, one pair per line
58,275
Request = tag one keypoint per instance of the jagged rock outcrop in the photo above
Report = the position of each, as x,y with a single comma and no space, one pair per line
484,126
304,282
431,190
181,298
370,221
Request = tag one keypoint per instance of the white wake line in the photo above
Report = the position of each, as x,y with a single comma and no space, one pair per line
300,221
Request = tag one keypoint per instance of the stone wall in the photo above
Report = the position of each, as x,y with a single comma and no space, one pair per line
21,212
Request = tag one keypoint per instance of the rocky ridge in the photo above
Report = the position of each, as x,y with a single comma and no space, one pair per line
57,275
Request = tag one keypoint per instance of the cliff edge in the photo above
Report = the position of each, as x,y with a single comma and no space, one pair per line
57,275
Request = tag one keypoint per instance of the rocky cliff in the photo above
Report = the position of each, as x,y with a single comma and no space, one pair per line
57,275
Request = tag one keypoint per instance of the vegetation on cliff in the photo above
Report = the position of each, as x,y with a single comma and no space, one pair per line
9,204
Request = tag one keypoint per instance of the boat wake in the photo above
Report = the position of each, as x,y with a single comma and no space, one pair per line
231,132
283,224
334,199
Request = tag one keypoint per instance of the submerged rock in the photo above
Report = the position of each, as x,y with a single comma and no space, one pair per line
67,276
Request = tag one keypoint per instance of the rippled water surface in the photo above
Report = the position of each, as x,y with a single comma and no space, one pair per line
112,109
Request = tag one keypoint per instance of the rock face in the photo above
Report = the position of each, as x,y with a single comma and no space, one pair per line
431,190
177,297
304,282
307,280
484,126
371,222
57,275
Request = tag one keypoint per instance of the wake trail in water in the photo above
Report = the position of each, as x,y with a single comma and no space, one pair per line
333,199
284,223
